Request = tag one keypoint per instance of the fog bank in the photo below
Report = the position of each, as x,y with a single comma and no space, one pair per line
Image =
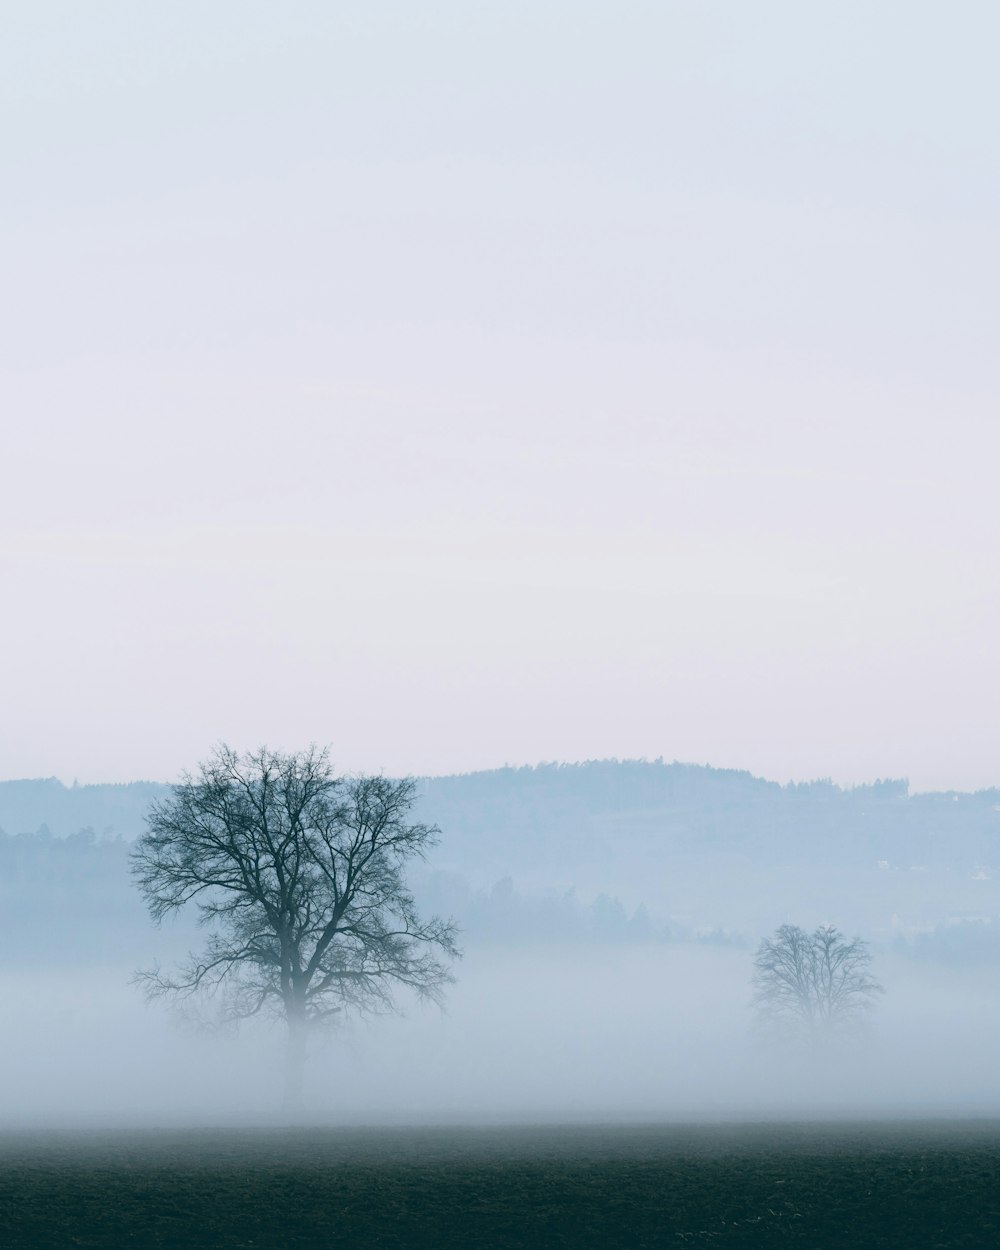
641,1032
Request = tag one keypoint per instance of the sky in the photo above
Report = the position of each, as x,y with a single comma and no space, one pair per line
462,385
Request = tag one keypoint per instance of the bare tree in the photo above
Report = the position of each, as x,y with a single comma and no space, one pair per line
298,875
809,987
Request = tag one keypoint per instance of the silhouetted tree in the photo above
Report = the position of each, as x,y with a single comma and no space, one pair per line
299,876
812,986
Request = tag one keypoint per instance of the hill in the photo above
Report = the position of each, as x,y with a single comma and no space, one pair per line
620,848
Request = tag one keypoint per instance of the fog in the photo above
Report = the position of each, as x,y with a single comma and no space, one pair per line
643,1032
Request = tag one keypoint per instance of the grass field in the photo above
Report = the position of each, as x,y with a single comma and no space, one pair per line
826,1186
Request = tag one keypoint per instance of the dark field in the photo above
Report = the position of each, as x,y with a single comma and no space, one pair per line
845,1185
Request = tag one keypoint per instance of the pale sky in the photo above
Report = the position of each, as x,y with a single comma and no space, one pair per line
464,384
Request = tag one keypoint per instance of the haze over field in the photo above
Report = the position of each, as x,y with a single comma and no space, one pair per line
543,1035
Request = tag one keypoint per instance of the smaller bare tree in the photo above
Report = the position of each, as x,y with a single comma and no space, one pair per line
812,987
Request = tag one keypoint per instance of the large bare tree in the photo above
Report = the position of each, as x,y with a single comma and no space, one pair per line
811,987
299,877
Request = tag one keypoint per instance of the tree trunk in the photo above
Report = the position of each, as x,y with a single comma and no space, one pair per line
295,1063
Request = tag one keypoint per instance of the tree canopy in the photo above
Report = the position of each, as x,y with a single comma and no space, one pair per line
810,987
299,877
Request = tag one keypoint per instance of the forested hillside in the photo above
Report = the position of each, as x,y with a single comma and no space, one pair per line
603,850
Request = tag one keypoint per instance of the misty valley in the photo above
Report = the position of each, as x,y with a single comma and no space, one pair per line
625,930
457,383
608,913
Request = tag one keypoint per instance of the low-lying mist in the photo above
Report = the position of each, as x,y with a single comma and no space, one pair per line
548,1033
